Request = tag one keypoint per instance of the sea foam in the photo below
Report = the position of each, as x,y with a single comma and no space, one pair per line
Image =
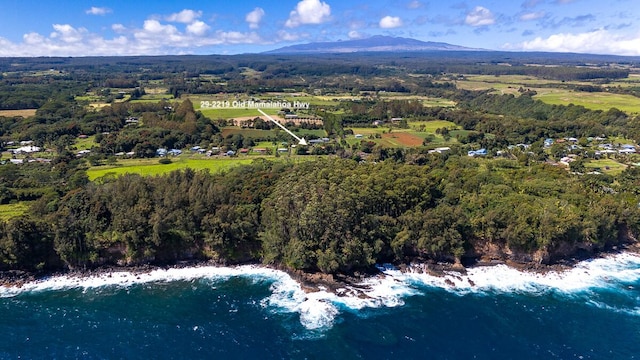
318,310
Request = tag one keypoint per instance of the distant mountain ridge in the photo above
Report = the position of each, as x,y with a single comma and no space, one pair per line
376,43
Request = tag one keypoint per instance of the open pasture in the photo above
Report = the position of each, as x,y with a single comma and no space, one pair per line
594,101
151,167
23,112
607,166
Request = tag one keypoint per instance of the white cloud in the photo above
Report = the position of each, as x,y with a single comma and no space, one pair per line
532,16
119,28
32,38
153,38
198,28
599,41
415,4
309,12
98,10
185,16
390,22
480,16
155,27
67,33
354,34
254,18
287,36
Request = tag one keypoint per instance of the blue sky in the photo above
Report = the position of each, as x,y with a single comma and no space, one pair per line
117,27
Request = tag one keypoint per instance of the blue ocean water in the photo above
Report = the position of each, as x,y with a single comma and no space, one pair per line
589,312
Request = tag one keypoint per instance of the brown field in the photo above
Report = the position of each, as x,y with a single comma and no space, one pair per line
403,139
24,113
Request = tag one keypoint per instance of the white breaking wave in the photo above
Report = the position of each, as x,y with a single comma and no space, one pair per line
605,272
318,310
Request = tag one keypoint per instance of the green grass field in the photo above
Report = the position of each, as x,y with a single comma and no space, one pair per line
608,166
594,101
86,144
509,84
432,126
151,167
257,133
8,211
234,113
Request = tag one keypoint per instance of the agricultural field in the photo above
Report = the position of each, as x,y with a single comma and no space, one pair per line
594,100
233,113
25,113
555,93
151,167
261,134
402,139
414,136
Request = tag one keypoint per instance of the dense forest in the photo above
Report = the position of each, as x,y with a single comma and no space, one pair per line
328,215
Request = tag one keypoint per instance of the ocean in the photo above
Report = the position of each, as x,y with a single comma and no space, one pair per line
589,312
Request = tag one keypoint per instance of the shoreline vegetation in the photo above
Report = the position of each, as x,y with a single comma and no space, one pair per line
325,222
313,282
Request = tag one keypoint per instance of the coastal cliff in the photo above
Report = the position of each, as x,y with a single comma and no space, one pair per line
327,216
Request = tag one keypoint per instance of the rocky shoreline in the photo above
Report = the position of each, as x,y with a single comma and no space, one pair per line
311,282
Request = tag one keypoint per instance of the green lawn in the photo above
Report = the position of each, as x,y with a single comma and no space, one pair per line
151,167
608,166
432,126
8,211
86,144
234,113
247,133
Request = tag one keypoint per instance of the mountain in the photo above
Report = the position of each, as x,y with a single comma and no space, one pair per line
374,43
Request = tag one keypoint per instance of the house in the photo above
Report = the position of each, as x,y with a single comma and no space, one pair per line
566,160
26,149
315,141
440,150
283,150
481,152
161,152
627,151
